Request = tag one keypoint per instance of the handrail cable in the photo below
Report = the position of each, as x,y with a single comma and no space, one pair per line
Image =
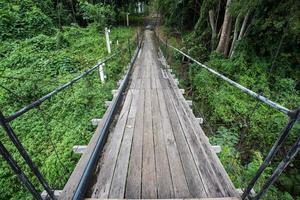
244,89
60,88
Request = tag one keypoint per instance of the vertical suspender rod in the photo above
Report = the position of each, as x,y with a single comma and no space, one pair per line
15,167
13,137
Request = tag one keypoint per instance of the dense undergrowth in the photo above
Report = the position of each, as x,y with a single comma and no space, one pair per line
33,67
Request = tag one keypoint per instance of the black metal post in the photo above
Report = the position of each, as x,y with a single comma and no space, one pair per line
282,165
13,137
15,167
284,134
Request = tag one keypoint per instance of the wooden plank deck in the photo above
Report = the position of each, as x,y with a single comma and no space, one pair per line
157,150
219,198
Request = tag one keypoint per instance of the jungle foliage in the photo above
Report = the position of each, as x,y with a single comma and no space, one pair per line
45,44
255,43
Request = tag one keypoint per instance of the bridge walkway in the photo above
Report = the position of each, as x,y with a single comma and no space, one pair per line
157,148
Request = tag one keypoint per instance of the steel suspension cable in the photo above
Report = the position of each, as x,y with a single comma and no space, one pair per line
48,131
235,84
54,92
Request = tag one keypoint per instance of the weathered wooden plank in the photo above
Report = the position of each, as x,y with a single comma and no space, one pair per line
209,182
77,173
95,122
147,77
79,149
141,68
176,168
104,178
215,163
214,160
153,80
149,189
219,198
107,103
208,149
135,75
217,148
199,120
117,189
138,81
163,174
195,181
134,177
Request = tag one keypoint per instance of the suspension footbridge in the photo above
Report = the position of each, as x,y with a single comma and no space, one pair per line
149,144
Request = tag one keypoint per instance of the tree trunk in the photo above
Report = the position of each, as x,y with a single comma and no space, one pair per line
201,24
218,12
213,29
242,33
244,26
227,43
73,11
225,34
236,32
59,10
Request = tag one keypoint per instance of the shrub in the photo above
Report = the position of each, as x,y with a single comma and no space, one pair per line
17,22
101,14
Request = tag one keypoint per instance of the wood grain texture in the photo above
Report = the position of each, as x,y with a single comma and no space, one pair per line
163,174
214,163
134,177
117,189
105,175
178,176
194,180
149,189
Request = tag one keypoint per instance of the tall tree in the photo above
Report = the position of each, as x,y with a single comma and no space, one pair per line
223,46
